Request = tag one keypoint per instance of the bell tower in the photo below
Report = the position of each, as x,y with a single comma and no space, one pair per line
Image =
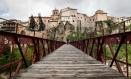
55,12
55,15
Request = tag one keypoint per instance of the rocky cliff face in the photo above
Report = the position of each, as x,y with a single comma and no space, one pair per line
61,31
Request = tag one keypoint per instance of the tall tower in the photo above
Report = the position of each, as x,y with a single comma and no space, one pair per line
55,15
100,15
55,12
55,18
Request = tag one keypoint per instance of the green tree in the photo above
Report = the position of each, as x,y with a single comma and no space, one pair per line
41,24
111,25
129,27
32,24
76,36
99,24
5,55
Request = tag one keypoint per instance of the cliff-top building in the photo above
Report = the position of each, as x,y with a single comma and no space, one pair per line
71,15
78,20
67,15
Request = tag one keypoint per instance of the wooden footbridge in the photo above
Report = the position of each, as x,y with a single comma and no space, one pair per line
68,62
49,59
28,57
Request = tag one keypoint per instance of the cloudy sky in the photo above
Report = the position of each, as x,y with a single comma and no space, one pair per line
22,9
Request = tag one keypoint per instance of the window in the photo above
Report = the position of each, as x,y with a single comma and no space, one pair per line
73,21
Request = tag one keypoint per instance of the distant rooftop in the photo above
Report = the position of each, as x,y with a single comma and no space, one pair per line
55,9
100,12
67,8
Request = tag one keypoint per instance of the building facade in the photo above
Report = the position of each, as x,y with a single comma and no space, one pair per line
13,26
78,20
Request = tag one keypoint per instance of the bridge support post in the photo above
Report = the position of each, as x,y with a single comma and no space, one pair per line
117,51
36,55
93,41
117,64
21,52
100,49
43,46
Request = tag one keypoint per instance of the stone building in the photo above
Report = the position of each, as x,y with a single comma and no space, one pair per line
78,20
98,16
51,21
121,19
55,18
14,26
71,15
55,15
9,26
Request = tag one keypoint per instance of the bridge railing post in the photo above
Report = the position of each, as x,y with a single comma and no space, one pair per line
87,44
117,51
117,63
92,46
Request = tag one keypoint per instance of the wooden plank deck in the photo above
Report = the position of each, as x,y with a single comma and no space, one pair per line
68,62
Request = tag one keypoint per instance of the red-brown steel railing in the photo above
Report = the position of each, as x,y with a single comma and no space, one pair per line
23,51
97,47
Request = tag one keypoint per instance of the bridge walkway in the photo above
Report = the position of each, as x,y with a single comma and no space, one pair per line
68,62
